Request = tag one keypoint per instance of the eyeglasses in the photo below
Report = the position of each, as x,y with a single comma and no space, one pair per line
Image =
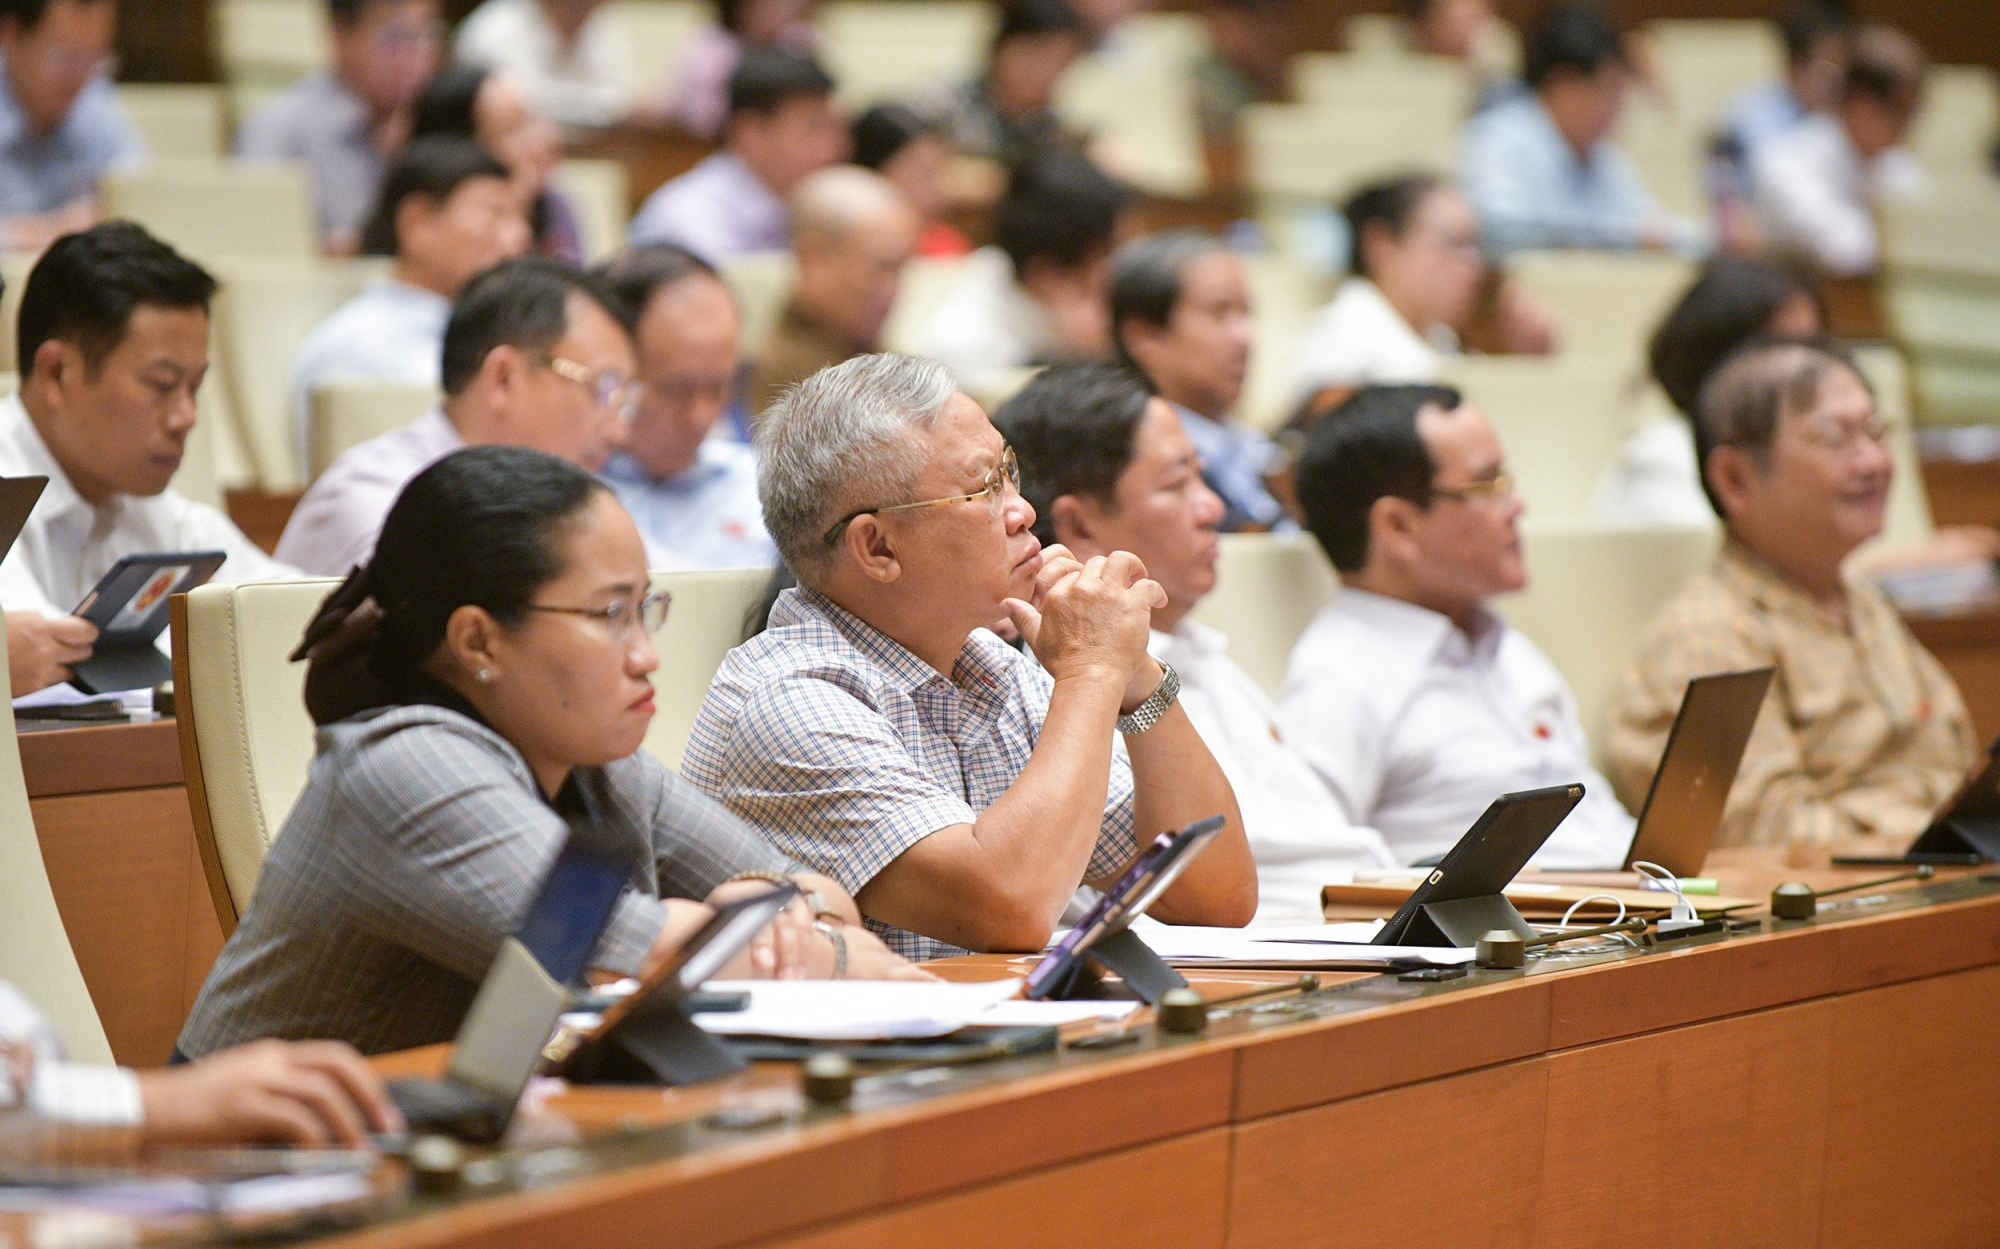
621,616
1499,487
1001,479
1839,437
610,389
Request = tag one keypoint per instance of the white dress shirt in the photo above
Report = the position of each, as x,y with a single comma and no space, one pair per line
336,523
577,86
1418,727
708,516
1359,339
1655,480
1301,838
55,1091
987,326
1815,195
69,543
390,332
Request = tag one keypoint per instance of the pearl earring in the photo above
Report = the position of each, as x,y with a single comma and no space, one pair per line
485,675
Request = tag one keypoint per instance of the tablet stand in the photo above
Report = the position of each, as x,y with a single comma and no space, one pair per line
656,1044
1974,834
1144,973
1461,923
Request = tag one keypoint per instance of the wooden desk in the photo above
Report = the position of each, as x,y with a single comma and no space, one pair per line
111,813
1829,1082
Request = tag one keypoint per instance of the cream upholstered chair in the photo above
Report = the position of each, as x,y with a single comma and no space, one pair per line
1268,587
1592,589
177,120
347,414
246,740
761,282
601,195
705,623
14,270
265,309
1609,302
890,49
35,953
1561,421
650,33
211,208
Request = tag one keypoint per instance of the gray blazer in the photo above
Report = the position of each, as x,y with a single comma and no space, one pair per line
416,847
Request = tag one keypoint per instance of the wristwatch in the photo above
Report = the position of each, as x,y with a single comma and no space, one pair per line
838,941
1148,713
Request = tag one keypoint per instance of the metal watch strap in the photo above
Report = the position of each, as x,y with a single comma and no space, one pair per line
1148,713
838,940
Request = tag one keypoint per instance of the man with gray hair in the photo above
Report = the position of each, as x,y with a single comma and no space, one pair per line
1863,735
880,732
852,233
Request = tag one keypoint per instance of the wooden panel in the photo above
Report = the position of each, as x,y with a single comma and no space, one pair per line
1414,1041
1160,1196
1718,1127
100,758
1095,1112
1968,645
1396,1168
123,872
1913,1127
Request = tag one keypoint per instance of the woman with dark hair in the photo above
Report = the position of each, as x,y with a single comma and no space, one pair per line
482,692
1733,300
912,153
489,107
1415,276
698,98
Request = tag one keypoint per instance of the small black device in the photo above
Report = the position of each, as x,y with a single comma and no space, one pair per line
1462,900
524,994
1683,810
1969,823
650,1037
1427,975
1104,940
1943,858
129,608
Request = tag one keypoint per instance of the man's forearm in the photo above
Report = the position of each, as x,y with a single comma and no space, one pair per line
1176,781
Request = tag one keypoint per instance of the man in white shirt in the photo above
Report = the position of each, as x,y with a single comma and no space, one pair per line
1040,293
564,53
783,125
448,212
537,354
52,1112
1108,468
692,494
1819,185
113,338
1415,703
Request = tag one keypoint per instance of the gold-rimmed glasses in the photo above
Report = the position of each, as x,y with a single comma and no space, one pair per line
1497,487
608,387
1003,477
621,615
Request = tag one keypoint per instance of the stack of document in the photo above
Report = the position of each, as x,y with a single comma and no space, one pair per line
1325,946
886,1010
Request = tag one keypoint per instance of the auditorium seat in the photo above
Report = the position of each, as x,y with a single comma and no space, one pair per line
1267,590
1941,294
1609,302
1954,134
266,45
601,196
761,281
35,953
210,209
346,414
650,33
263,312
927,280
1143,117
184,121
1705,62
705,623
1592,589
1284,296
14,270
891,49
1560,420
246,741
1308,156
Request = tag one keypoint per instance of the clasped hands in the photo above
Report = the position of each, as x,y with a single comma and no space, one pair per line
1093,617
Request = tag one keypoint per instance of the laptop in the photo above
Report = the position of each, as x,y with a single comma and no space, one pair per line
1683,810
524,994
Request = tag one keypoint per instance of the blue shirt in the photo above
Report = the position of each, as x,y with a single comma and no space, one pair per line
717,210
1234,460
709,515
1531,188
42,173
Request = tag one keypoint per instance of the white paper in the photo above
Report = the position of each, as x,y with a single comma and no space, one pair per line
1308,945
67,695
260,1196
854,1010
1027,1014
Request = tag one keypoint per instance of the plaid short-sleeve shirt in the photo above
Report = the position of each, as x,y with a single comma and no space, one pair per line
845,749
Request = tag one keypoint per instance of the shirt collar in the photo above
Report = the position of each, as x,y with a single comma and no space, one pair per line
1419,631
710,461
1756,579
60,497
979,669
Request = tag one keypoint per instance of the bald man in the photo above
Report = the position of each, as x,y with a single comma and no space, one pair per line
852,233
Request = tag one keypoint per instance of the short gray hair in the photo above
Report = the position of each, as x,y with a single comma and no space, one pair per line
842,440
1744,400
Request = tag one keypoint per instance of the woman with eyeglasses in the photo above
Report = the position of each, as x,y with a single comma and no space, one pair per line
482,692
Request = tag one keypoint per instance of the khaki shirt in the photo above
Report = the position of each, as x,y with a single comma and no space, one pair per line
1862,733
797,348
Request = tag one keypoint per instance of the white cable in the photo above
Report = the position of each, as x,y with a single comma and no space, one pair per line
1608,897
1670,883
